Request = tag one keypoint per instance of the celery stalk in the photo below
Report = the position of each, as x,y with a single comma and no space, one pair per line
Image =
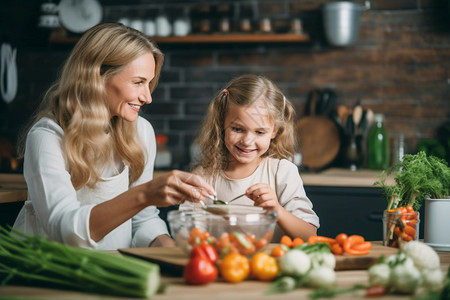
33,260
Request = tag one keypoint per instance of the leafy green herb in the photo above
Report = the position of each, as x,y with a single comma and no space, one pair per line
283,284
418,176
333,292
316,247
33,260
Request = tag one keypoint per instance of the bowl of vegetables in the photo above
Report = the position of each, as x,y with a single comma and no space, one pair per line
237,229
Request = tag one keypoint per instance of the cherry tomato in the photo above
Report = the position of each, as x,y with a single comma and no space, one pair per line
297,242
278,251
261,243
286,240
263,266
376,291
340,238
200,270
234,267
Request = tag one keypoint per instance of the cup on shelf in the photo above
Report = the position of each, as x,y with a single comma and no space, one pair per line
149,27
163,26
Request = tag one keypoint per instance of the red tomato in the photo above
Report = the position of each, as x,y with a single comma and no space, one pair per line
200,270
205,251
376,291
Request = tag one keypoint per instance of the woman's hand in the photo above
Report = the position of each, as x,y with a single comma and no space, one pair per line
263,196
176,187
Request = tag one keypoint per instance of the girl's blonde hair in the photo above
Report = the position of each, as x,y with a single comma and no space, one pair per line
244,91
78,103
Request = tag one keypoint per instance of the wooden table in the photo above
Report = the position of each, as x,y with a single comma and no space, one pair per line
249,289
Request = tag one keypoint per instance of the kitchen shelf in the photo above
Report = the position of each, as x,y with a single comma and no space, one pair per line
60,37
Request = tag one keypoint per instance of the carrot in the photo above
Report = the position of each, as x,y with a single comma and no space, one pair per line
352,251
286,240
320,239
409,230
336,248
397,231
413,222
351,241
363,246
406,237
297,242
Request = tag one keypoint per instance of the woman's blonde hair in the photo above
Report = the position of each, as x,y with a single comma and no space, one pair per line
244,91
78,103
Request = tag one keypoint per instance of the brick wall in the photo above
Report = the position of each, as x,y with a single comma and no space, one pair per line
400,66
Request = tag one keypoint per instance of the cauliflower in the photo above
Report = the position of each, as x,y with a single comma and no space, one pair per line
433,279
321,276
323,259
295,263
399,258
423,256
380,274
405,278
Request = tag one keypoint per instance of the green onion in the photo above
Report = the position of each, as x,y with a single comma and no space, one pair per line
32,260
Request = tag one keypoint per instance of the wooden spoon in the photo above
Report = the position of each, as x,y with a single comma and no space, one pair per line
342,113
357,114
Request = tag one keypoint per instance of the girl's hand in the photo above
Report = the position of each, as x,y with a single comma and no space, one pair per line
263,196
176,187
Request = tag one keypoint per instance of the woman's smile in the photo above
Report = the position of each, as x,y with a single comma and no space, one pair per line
135,107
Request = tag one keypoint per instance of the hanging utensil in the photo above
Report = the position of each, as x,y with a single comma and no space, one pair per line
362,123
357,114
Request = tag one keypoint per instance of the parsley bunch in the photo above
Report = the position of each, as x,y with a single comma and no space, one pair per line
417,176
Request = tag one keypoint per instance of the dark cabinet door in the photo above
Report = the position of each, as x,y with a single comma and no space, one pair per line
352,210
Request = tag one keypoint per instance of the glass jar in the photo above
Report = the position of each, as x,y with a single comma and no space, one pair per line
400,227
378,145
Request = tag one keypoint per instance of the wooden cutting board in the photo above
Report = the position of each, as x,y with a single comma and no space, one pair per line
173,259
319,141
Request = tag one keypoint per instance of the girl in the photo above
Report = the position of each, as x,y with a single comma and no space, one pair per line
245,144
88,157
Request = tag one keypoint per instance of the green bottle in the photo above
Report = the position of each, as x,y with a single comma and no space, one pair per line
378,148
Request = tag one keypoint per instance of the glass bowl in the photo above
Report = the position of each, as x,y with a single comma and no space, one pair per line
236,229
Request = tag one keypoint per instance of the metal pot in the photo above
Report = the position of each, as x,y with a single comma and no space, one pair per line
341,22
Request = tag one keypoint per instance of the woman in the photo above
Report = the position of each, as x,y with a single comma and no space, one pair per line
88,157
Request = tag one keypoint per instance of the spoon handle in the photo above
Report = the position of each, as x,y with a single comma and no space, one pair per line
235,198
